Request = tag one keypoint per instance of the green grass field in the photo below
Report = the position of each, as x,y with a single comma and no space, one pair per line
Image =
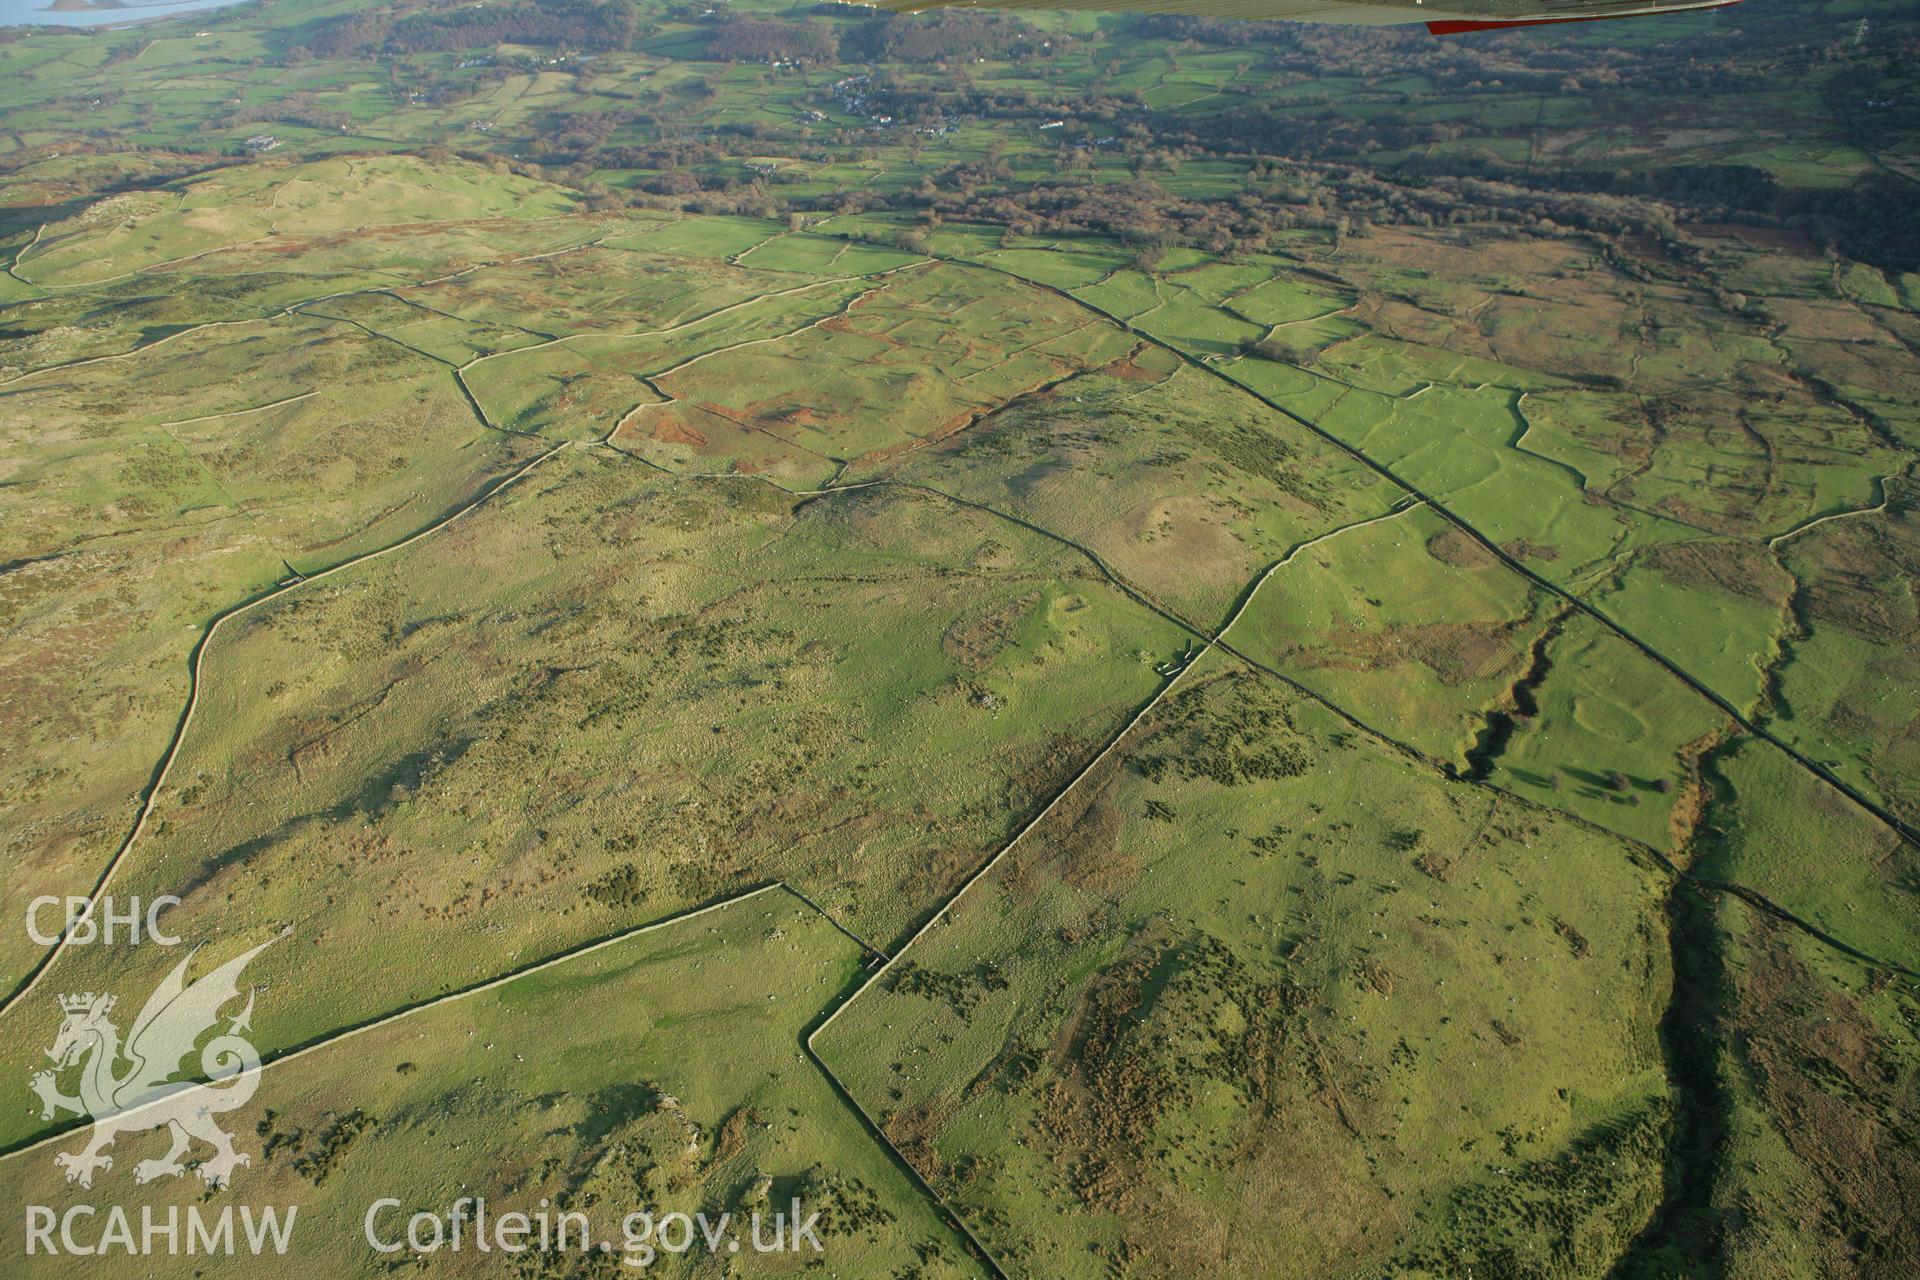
528,1094
1121,650
1199,1000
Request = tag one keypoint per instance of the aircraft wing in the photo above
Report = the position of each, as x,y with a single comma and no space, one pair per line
1443,17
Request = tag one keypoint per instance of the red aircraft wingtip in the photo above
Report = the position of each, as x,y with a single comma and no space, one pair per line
1457,26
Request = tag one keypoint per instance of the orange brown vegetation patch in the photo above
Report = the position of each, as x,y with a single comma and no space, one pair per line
913,1131
1793,242
1690,806
1527,549
1845,1101
667,427
974,640
1456,652
1853,569
1738,568
1088,855
1450,546
1126,369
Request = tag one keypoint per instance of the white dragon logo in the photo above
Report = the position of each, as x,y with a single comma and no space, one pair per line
145,1095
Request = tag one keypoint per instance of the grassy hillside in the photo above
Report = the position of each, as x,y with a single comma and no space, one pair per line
1158,647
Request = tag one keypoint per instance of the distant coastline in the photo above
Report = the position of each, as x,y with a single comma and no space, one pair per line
98,13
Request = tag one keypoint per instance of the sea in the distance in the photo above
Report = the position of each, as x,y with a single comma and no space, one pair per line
76,13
